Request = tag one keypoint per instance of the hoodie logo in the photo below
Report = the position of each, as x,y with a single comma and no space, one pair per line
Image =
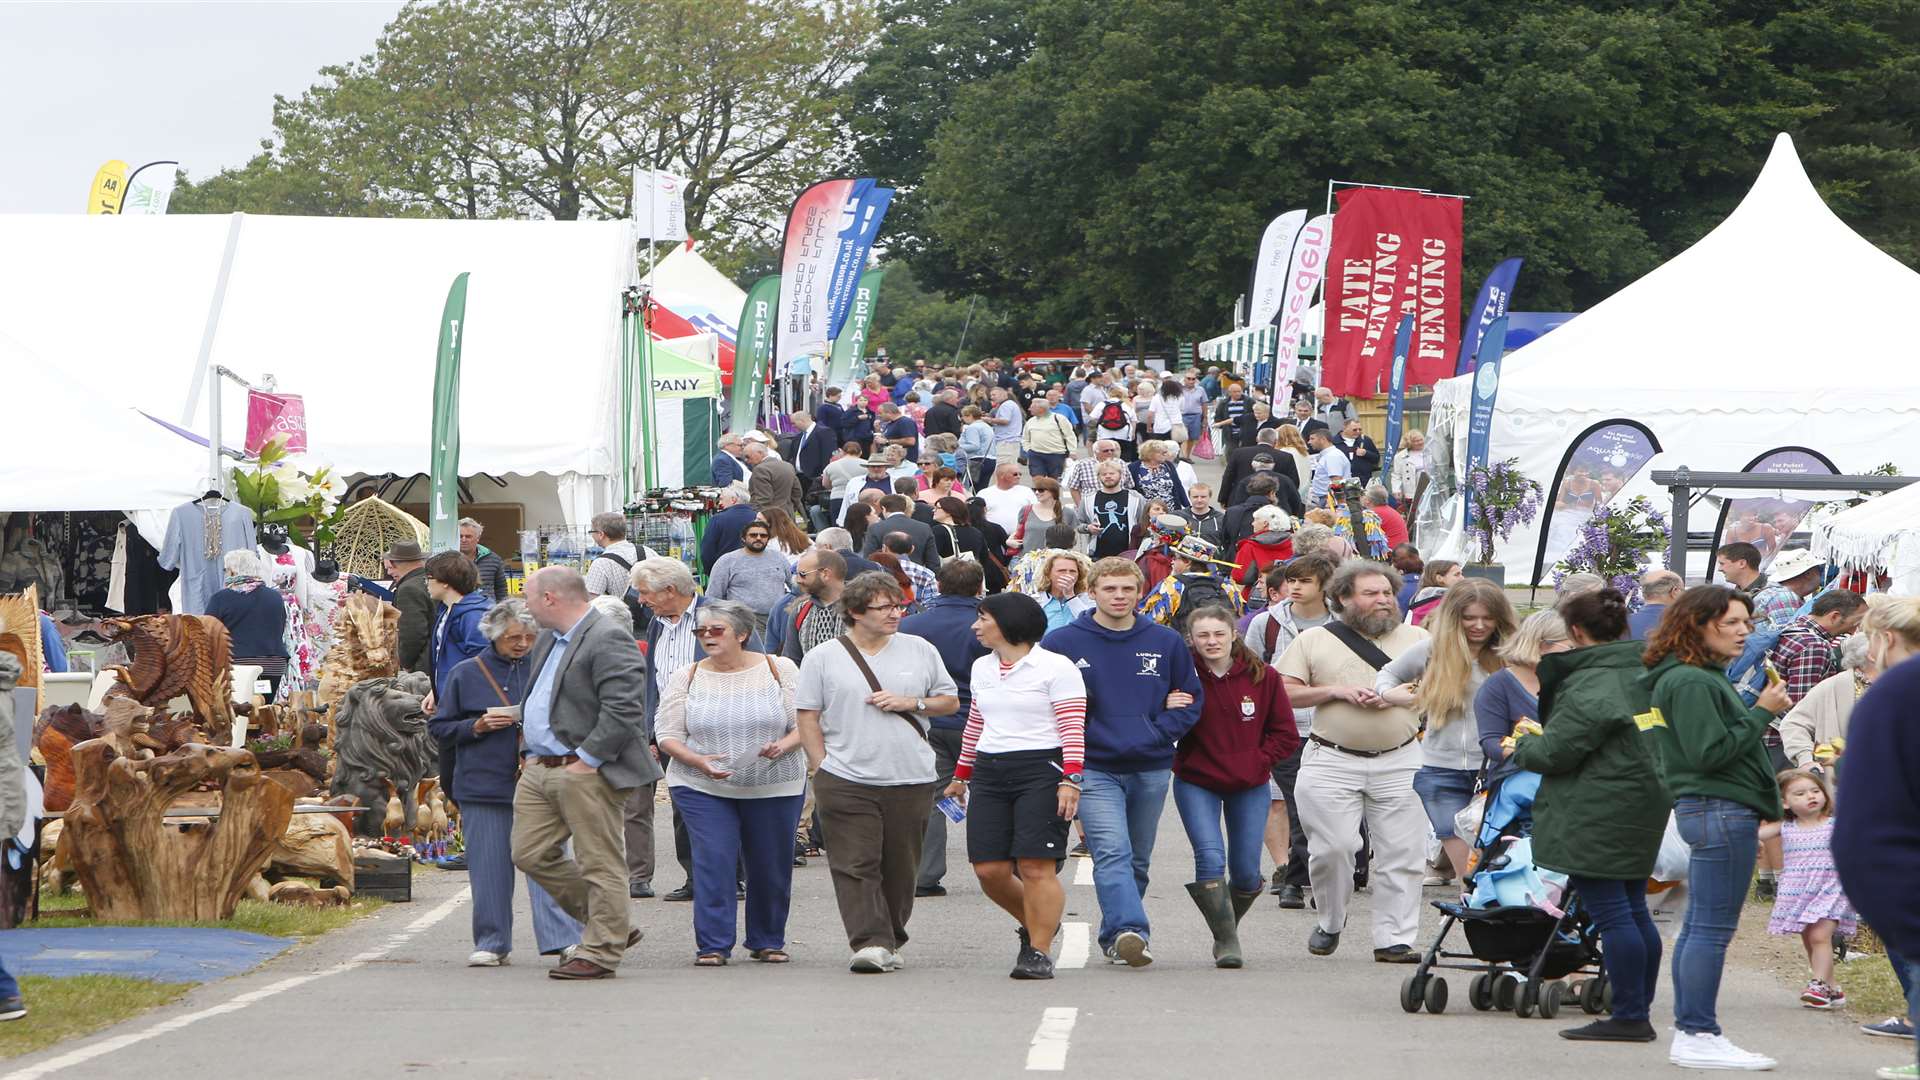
1247,708
1082,663
1149,664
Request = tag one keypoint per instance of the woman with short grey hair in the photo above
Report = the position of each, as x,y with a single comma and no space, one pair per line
727,721
255,618
505,616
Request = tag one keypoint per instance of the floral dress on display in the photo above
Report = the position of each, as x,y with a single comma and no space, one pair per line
305,634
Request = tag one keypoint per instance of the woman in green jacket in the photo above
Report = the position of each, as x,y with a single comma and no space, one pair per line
1602,808
1709,746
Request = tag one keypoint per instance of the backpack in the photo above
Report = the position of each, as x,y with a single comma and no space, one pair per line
634,607
1202,590
1113,417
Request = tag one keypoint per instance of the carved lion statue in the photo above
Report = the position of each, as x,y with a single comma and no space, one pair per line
380,737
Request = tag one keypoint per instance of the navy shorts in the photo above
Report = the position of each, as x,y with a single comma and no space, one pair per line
1013,807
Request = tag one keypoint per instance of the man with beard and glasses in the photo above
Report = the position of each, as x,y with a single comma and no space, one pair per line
1359,761
751,574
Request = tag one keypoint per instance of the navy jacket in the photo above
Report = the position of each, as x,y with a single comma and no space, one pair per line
726,470
485,767
833,420
1129,674
723,533
947,621
1642,622
1876,836
461,637
256,621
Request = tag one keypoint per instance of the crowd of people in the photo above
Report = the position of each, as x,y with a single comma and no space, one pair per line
966,596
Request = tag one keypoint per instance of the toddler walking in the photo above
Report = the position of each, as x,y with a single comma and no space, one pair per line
1810,901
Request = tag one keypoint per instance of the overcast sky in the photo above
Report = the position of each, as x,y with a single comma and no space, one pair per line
145,80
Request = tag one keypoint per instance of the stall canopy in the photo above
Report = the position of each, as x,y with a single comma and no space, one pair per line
691,297
1242,350
1879,534
58,429
1780,327
346,312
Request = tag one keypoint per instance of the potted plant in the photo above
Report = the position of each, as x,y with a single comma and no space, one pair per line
1617,543
279,491
1501,499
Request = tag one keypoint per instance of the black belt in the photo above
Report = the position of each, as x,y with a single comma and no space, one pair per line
1361,753
554,761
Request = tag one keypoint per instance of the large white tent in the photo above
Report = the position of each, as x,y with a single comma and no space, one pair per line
1779,327
346,312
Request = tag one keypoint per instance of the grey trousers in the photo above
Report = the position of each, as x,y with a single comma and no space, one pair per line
933,849
488,829
638,823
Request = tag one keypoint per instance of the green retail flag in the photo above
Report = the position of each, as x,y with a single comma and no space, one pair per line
443,466
851,345
752,352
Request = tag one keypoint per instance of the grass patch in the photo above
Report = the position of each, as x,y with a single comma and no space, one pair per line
1872,991
252,916
67,1008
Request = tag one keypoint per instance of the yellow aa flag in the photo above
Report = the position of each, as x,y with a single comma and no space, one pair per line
109,186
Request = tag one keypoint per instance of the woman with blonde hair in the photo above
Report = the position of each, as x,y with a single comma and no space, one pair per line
1512,694
1157,476
1287,440
1439,678
1409,462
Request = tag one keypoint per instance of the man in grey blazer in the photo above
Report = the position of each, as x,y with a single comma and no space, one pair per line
585,739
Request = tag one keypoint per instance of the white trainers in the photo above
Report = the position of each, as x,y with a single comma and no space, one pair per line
872,960
483,958
895,961
1706,1051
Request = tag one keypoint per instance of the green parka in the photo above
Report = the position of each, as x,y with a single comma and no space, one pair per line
1602,807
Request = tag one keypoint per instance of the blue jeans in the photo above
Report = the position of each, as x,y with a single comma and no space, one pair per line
1443,794
9,987
1627,936
1724,836
1121,813
1246,817
724,833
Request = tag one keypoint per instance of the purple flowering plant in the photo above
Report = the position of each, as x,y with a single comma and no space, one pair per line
1617,543
1502,499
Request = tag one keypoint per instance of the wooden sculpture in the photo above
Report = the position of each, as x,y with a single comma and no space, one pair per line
314,846
366,645
134,865
174,655
381,748
62,727
20,636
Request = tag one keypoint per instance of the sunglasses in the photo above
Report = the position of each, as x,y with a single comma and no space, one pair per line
756,536
709,631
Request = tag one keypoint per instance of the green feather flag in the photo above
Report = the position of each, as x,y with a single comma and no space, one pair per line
443,465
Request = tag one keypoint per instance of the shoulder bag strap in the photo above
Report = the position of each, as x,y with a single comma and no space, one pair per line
619,560
1271,634
1358,643
860,662
491,681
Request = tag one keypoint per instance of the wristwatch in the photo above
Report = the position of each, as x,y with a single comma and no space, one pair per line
920,704
1073,778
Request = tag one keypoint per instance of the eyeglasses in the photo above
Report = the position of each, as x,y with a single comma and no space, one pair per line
804,574
882,609
709,631
756,536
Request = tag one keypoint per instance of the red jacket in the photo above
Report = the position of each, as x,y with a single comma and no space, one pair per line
1255,557
1245,729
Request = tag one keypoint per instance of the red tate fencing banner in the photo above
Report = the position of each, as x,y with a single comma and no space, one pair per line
276,414
1394,253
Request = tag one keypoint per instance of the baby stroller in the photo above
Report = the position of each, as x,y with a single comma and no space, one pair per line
1520,943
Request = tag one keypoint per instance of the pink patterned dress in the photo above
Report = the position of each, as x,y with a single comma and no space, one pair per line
1809,887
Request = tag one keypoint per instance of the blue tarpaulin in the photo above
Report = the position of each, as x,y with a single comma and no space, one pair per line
160,953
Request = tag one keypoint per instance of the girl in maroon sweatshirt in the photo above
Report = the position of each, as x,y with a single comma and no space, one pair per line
1220,772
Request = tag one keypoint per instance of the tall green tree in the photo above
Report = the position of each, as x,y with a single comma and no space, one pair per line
914,321
541,108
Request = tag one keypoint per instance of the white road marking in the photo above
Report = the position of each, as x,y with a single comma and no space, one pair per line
240,1001
1083,871
1049,1050
1075,937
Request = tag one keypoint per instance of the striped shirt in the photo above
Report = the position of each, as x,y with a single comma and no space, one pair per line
1038,702
675,649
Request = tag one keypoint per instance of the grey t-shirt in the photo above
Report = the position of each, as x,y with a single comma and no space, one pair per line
757,581
864,744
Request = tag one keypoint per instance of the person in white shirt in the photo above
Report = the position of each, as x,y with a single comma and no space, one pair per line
1330,463
1006,497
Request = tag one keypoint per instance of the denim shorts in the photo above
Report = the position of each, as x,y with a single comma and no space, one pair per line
1444,793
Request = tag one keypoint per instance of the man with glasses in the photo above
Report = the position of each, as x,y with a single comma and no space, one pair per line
863,706
1083,475
814,617
751,574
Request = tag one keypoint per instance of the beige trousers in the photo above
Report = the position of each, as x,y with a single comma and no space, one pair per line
551,806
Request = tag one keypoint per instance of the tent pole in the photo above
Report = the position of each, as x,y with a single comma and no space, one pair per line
212,327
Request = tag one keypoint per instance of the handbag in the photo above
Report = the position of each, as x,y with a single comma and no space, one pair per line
1204,449
1178,432
860,662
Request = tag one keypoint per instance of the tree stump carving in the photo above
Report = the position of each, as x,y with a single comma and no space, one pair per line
136,866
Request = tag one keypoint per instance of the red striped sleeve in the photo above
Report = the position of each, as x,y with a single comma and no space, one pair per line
1070,720
963,769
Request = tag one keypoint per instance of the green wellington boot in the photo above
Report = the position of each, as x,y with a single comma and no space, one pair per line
1212,900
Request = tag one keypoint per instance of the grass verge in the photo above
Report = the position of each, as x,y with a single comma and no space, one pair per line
252,916
67,1008
1873,993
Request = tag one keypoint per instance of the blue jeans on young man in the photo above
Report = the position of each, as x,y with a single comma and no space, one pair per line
9,987
1234,854
725,833
1724,838
1120,812
1627,937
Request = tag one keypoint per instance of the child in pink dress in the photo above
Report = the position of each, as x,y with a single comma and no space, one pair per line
1810,901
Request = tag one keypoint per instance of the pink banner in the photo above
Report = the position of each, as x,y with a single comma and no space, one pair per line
269,415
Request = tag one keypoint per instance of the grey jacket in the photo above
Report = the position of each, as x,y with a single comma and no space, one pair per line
13,784
598,697
920,531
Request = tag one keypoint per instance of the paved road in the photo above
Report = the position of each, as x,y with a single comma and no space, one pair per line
391,996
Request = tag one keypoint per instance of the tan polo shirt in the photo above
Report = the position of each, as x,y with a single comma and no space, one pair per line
1317,658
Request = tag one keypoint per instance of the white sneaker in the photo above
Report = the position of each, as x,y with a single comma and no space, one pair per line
895,961
483,958
1705,1051
871,960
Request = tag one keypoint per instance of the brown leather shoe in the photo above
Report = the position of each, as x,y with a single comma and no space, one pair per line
579,969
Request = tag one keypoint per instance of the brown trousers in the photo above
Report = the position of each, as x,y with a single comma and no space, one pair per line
874,836
551,806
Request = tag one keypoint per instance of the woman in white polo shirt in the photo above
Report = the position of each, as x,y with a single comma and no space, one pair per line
1019,771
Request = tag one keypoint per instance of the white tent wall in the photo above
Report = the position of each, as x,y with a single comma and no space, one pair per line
345,312
1772,330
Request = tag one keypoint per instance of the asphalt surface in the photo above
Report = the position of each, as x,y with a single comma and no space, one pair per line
391,995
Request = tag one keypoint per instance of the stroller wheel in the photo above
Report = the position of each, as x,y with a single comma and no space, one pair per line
1591,997
1413,993
1436,995
1524,999
1505,990
1551,996
1480,993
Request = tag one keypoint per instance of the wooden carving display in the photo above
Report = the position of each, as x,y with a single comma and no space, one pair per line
175,655
133,865
62,727
381,748
366,645
20,635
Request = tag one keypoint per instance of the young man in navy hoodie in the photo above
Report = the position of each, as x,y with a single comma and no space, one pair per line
1143,694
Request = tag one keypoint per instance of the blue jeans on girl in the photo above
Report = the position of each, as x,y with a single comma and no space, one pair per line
1237,855
1724,836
